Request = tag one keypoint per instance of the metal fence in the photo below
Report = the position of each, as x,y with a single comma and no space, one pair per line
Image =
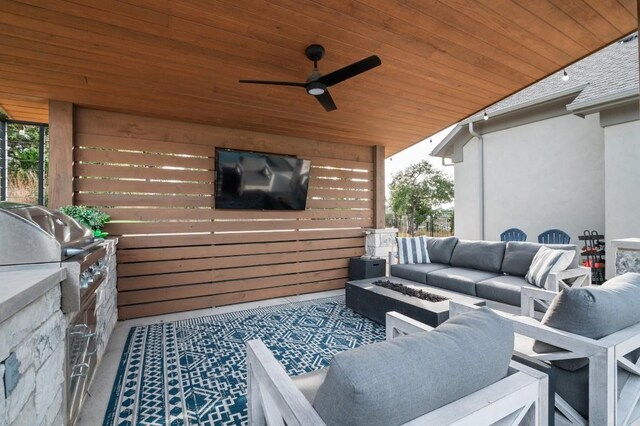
434,226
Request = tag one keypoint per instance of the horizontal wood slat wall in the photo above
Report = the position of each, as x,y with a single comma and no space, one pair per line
155,178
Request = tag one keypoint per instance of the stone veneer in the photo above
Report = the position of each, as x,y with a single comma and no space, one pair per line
36,335
107,303
380,242
627,252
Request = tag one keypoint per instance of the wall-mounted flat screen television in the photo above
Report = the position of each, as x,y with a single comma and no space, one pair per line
255,181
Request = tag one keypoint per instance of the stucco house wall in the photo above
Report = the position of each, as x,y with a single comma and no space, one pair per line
541,175
467,187
622,184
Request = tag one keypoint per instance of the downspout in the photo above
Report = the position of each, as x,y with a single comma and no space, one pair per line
481,140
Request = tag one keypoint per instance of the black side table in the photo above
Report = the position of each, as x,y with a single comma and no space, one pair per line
360,269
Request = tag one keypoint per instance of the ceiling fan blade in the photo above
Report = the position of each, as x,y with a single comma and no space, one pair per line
277,83
350,71
326,101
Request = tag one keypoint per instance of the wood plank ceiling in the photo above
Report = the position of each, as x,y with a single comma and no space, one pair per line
181,59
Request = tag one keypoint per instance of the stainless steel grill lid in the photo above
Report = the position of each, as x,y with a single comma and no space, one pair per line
36,234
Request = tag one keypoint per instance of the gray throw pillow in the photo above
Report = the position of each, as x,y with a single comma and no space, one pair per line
390,383
593,312
518,256
441,249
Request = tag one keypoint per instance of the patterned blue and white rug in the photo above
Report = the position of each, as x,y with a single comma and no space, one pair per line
193,372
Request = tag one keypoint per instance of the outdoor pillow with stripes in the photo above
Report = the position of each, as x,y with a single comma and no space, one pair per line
413,250
547,261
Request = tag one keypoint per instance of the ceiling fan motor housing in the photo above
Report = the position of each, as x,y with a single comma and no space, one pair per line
314,52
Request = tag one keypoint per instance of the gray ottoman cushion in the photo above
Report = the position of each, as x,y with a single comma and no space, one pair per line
440,249
416,272
390,383
503,289
518,256
482,255
458,279
309,383
593,312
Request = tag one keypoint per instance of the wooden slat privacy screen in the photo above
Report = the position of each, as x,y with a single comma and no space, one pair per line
177,252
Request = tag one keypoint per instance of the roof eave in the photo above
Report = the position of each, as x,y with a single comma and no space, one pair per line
604,102
441,150
438,151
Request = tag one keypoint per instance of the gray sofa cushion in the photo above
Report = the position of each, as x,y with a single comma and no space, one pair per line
458,279
309,383
440,249
390,383
503,289
593,312
416,272
573,386
482,255
518,256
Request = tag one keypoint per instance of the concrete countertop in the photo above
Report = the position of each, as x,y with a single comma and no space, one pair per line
19,287
626,243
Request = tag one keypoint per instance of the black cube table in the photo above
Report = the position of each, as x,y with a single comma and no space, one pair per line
373,302
360,268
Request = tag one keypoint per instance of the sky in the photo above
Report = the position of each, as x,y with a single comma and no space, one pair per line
415,154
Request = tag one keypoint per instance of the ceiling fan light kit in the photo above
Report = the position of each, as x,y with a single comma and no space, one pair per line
317,84
315,88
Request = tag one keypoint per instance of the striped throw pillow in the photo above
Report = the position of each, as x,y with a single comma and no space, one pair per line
546,261
413,250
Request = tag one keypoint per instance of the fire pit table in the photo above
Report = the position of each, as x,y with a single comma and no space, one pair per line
374,301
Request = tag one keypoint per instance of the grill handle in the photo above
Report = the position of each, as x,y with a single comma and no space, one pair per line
72,251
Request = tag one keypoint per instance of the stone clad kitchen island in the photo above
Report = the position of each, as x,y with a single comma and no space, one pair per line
34,337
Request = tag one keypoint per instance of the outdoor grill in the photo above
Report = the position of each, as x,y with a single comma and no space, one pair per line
35,236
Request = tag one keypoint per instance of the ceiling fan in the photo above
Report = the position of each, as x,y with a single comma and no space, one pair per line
317,84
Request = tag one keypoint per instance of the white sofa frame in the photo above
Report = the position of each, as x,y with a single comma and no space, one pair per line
274,399
607,406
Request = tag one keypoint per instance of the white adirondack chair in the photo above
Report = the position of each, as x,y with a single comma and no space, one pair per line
519,398
607,406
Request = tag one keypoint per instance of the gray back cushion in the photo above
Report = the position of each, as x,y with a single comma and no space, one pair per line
440,249
518,256
593,312
483,255
390,383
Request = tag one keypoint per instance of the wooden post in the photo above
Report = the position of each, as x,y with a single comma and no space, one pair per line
4,174
379,212
60,154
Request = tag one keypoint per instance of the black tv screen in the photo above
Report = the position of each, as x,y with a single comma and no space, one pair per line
254,181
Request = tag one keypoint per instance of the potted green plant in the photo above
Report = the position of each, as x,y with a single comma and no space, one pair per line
93,218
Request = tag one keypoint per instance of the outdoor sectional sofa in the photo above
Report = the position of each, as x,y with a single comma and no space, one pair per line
491,270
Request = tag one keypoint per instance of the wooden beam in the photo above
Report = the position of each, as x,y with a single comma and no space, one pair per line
60,154
379,211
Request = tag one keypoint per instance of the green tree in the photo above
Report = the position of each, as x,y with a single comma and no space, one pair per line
23,148
418,192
